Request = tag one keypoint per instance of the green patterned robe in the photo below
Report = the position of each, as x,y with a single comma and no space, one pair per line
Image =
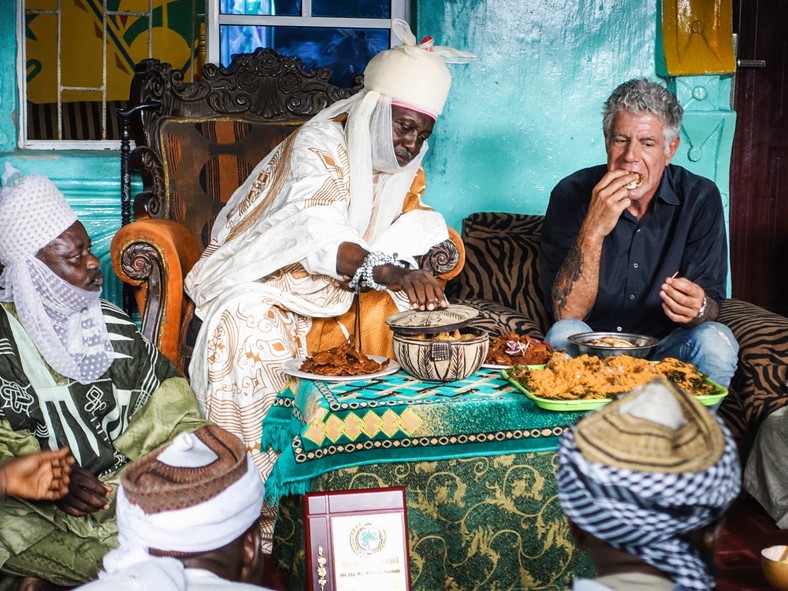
140,403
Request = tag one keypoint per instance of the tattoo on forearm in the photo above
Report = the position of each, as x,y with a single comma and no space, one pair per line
567,275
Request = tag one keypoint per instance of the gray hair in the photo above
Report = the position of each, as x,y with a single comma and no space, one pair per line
639,96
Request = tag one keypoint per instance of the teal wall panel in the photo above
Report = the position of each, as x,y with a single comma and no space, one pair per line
8,94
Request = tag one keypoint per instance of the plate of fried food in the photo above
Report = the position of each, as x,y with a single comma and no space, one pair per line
512,349
344,363
587,382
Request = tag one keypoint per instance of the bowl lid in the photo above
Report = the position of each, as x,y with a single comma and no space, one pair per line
431,321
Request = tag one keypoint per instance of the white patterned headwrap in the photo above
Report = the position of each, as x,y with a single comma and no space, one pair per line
33,212
682,472
63,321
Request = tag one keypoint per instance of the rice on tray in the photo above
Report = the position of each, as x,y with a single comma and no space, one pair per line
590,377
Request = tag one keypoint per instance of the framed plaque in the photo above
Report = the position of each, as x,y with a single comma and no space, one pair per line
356,540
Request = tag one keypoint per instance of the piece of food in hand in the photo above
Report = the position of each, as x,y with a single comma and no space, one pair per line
636,183
513,349
344,360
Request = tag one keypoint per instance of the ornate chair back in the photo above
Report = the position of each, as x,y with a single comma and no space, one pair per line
196,142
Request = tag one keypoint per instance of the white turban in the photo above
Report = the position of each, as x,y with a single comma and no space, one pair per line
33,212
414,75
197,494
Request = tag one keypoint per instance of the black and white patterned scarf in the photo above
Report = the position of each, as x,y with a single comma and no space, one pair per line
649,514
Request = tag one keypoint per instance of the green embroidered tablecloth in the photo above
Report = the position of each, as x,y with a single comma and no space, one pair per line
324,426
477,460
485,523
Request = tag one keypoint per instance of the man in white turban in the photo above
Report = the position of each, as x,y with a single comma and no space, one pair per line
74,371
645,482
188,519
337,205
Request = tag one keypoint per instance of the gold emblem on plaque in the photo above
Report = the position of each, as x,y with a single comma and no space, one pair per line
367,539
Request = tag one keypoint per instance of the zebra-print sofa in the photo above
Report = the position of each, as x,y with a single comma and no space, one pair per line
501,278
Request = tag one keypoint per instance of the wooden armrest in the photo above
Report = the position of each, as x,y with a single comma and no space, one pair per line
154,256
446,259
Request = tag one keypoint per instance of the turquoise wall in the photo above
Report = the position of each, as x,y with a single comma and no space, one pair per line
528,111
519,119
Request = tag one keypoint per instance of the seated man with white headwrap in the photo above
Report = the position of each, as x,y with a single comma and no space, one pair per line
74,371
337,205
645,482
188,519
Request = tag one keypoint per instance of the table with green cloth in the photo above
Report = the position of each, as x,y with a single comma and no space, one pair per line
476,457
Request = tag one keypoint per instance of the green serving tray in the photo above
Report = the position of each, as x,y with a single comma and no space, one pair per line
580,404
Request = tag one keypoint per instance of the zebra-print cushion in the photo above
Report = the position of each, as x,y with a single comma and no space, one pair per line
497,319
502,263
760,385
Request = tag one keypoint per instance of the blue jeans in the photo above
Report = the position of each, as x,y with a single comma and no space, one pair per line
711,346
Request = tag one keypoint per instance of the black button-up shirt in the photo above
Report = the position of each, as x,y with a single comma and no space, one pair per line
683,230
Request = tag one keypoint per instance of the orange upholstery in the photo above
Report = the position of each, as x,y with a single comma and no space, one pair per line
172,243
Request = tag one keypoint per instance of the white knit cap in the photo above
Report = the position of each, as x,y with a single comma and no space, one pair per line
33,212
414,75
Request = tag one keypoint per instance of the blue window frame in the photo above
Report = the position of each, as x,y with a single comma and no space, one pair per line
339,34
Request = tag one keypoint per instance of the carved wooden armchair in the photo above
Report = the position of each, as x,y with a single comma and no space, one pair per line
195,144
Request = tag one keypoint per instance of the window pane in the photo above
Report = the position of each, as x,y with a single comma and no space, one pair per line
345,51
80,55
127,6
41,65
261,7
352,8
41,5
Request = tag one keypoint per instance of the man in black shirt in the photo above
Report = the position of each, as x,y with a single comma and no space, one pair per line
638,245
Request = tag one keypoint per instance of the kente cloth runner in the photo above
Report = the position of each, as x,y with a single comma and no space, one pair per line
321,426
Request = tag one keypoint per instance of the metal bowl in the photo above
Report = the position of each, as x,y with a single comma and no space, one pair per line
641,345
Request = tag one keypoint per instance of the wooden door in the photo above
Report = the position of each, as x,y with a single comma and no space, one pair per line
759,167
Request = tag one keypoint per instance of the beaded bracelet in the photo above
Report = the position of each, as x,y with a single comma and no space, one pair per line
363,276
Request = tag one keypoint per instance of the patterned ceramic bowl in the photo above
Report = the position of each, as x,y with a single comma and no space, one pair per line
437,360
